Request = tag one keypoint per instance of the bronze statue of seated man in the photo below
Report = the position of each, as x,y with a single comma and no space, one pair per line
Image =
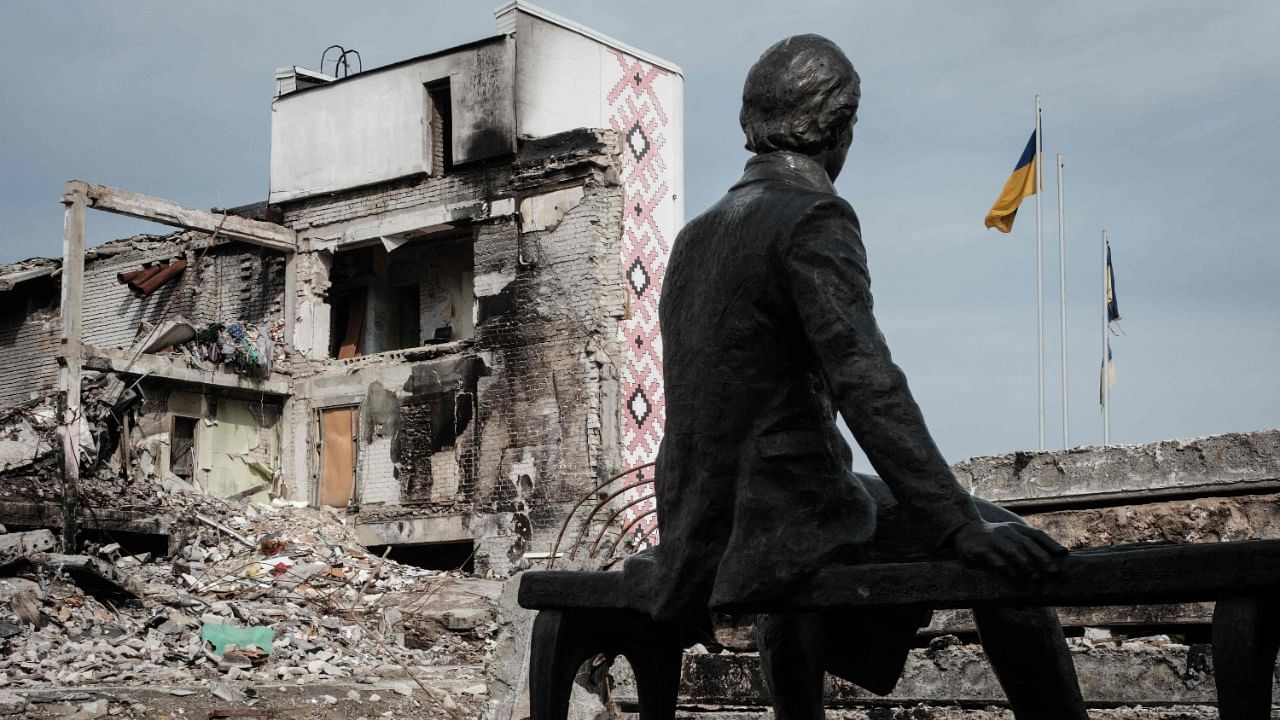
768,332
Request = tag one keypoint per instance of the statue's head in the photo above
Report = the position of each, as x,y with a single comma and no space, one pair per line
802,95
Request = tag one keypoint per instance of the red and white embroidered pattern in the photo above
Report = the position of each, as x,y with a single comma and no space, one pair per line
637,115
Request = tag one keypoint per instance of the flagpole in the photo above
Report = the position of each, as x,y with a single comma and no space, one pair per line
1105,378
1039,274
1062,304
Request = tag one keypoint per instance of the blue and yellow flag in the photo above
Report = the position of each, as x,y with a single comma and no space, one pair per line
1020,184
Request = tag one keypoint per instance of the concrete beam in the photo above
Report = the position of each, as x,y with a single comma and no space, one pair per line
415,531
953,622
422,220
129,361
167,212
1219,465
70,353
18,546
49,515
1132,673
741,637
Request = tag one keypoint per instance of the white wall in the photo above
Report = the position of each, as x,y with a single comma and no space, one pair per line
564,76
375,126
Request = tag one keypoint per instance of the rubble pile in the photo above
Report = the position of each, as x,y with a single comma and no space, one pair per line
31,453
247,596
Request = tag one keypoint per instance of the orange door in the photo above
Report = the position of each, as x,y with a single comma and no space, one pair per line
337,456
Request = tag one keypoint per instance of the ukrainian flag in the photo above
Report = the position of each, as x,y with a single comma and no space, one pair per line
1113,308
1020,184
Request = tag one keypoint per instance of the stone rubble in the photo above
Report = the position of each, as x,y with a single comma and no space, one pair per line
339,615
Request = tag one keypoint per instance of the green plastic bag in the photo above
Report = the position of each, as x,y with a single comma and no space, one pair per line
220,636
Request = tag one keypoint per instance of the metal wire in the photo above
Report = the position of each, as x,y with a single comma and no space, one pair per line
613,517
628,528
555,549
586,524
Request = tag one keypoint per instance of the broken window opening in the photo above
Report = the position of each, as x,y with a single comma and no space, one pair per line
420,292
441,127
131,543
444,556
182,447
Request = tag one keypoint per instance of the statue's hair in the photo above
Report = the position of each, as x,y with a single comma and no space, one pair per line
799,96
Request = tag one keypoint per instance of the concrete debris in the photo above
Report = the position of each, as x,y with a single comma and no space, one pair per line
11,703
18,546
92,574
333,614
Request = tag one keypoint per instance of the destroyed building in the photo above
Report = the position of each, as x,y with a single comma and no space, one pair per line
443,318
434,338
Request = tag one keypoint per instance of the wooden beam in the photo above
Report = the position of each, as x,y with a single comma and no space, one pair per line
167,212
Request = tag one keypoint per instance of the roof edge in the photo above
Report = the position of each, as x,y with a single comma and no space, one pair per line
507,25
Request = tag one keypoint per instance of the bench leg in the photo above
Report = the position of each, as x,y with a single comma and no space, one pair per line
1246,637
562,641
557,649
656,664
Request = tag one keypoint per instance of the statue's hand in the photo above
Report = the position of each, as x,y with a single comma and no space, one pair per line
1012,549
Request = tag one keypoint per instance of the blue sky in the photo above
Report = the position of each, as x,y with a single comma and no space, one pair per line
1165,112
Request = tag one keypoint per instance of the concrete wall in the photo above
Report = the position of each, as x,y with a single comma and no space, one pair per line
375,126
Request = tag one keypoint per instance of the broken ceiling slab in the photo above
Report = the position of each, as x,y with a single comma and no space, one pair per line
94,575
49,515
13,275
127,361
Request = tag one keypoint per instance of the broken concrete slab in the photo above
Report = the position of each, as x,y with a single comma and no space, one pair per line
20,545
1192,520
11,703
1128,673
93,574
1220,464
49,515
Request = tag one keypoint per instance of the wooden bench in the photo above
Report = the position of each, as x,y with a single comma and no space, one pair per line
581,614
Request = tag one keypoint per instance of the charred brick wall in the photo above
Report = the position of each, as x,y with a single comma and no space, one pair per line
477,183
522,419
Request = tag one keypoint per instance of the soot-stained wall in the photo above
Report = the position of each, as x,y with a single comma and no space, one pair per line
511,425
